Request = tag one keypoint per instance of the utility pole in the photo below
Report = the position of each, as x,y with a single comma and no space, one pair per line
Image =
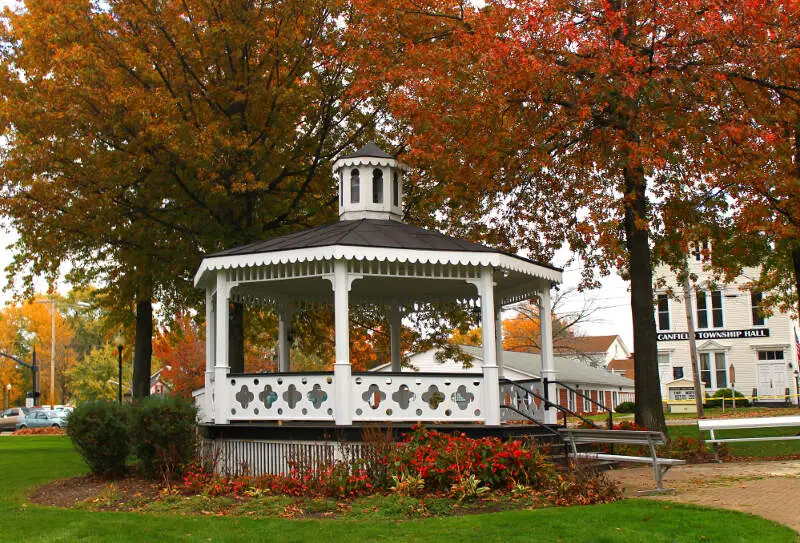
687,302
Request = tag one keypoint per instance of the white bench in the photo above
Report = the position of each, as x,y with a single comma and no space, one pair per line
713,425
576,436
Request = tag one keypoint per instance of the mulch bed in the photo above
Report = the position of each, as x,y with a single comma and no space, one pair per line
40,432
70,492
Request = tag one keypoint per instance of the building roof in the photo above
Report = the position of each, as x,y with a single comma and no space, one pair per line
369,150
625,366
568,368
366,233
585,344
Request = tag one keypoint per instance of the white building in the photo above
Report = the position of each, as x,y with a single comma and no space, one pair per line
737,346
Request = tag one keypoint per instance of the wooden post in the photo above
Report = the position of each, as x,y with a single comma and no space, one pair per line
491,378
342,371
221,367
548,363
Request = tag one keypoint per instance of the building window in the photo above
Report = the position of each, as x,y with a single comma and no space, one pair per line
396,190
770,355
701,251
571,400
587,402
355,187
377,186
755,302
663,312
716,376
716,309
677,372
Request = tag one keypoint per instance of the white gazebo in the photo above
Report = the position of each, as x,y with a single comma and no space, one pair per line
370,256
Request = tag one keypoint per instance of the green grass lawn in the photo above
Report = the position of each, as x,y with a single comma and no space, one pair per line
26,462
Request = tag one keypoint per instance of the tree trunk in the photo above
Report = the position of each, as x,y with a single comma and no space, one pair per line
236,337
143,349
649,410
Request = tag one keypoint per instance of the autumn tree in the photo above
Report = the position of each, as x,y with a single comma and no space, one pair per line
181,351
25,326
141,135
753,50
535,123
95,376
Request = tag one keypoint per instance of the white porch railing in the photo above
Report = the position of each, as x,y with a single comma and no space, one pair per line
520,396
374,397
281,397
417,397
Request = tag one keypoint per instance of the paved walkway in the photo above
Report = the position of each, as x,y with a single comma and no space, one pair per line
768,489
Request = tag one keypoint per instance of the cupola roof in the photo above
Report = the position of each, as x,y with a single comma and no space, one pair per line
369,150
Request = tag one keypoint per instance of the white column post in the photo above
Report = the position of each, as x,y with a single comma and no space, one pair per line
208,408
498,337
284,323
342,372
395,326
548,364
221,367
491,380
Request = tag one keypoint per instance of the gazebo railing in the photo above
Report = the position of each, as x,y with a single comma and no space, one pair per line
280,396
415,396
383,397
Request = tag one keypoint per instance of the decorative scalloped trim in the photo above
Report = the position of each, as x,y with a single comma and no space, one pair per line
369,161
379,254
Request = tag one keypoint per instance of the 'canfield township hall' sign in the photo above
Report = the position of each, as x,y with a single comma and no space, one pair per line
715,334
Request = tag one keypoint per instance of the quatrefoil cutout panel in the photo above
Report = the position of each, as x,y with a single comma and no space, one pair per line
403,396
373,396
462,398
433,397
244,396
317,396
268,396
292,396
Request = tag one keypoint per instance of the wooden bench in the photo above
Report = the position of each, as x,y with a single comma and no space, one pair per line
576,436
713,425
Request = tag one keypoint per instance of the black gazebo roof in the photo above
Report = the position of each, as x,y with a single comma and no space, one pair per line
365,233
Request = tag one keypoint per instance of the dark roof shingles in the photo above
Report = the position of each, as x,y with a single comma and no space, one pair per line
361,233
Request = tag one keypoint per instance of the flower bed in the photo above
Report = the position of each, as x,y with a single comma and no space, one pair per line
424,463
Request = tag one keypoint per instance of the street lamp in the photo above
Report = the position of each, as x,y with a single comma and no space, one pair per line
119,341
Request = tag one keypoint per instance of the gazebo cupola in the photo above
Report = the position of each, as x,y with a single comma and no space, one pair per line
370,185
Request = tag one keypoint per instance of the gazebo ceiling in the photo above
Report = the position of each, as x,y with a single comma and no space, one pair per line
374,240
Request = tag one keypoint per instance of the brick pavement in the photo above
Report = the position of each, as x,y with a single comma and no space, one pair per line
768,489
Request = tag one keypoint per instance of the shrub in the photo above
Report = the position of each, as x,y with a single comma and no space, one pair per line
163,435
99,430
626,407
716,399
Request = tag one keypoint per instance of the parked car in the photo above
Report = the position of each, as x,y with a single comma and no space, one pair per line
10,417
44,418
